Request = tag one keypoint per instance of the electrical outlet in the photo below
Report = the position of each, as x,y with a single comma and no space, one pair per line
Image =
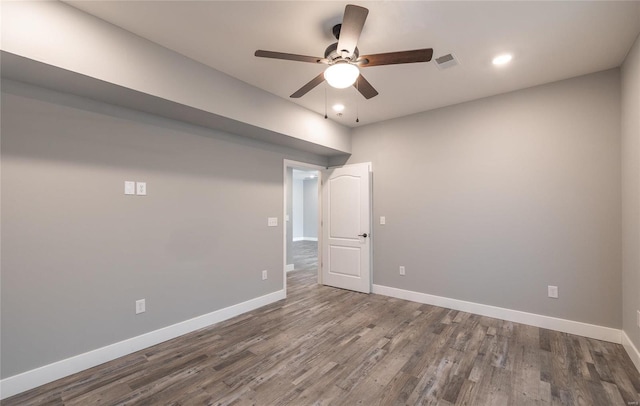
272,221
383,220
264,275
141,188
141,306
638,319
402,272
552,291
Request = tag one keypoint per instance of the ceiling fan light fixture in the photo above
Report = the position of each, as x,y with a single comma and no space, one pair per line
341,75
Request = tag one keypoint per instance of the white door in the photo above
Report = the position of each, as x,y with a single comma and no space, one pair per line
346,229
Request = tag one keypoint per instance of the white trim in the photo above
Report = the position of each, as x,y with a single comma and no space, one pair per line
633,352
294,239
49,373
289,267
567,326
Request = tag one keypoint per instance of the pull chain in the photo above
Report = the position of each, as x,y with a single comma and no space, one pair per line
358,89
325,100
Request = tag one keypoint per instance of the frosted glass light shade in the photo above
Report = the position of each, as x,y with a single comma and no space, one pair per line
341,75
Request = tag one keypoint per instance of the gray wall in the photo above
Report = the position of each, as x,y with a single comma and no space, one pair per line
490,201
290,214
115,56
298,208
77,252
631,192
310,190
305,208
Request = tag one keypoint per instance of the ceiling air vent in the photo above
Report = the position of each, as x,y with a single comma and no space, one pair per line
446,61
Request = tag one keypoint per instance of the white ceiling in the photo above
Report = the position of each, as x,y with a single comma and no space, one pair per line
549,41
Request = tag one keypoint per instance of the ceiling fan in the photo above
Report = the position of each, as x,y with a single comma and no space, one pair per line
343,57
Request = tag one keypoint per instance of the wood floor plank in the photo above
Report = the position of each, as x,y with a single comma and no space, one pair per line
326,346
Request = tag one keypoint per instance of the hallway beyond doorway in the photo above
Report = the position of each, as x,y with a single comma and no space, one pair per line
305,255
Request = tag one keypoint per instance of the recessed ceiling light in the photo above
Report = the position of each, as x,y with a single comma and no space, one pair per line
502,59
338,107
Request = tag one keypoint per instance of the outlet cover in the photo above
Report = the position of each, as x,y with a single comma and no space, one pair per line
129,187
264,275
638,319
141,188
402,271
141,306
552,291
272,221
383,220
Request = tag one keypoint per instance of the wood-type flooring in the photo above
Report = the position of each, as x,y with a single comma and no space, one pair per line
327,346
305,255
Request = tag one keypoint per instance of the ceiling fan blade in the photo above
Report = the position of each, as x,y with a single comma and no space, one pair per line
392,58
306,88
290,57
352,24
365,88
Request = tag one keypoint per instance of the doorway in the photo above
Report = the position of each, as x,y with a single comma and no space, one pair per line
303,252
302,242
336,245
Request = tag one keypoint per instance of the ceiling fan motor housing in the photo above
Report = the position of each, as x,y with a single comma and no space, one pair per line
332,54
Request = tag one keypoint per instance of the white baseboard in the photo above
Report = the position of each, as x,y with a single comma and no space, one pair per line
304,239
289,267
51,372
633,352
566,326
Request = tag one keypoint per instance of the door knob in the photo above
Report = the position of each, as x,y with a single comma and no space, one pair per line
363,235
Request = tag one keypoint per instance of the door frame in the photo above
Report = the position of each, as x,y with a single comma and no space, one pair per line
287,163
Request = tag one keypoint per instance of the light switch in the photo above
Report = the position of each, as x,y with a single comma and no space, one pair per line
272,222
383,220
129,187
141,306
141,188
